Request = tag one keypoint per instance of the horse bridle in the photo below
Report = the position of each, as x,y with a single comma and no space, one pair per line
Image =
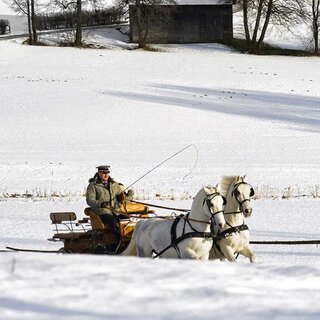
208,199
235,189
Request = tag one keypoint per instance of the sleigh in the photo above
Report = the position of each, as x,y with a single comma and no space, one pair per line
90,234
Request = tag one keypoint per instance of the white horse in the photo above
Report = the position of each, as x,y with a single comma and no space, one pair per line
233,238
186,237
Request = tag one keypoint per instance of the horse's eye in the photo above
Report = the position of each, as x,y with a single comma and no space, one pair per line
236,192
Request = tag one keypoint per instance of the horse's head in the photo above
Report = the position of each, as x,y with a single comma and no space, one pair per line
242,191
214,204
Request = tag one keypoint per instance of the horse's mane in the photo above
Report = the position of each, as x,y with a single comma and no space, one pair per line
225,184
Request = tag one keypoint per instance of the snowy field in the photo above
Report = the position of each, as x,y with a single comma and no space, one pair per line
63,111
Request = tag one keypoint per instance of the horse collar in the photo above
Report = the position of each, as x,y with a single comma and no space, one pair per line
228,232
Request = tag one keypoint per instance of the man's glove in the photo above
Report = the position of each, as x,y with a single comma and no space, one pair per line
105,204
119,197
130,193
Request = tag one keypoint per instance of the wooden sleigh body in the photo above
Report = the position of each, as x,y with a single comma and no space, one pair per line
90,234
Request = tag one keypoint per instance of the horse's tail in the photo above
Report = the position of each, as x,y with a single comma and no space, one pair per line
131,249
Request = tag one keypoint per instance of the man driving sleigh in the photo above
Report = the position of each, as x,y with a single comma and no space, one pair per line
105,196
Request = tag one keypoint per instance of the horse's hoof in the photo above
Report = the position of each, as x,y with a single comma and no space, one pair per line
253,259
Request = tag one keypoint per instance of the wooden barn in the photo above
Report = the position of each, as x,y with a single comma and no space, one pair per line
187,21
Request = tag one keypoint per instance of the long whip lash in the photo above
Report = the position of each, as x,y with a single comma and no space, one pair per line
164,161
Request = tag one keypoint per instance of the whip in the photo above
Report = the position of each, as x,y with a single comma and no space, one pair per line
164,161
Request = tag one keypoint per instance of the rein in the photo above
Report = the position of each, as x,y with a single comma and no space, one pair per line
159,217
173,209
161,207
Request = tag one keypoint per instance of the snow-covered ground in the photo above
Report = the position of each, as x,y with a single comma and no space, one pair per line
64,110
283,284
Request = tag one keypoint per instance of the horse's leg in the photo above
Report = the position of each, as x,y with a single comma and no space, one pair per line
216,254
204,256
144,247
187,253
247,252
194,248
138,245
228,252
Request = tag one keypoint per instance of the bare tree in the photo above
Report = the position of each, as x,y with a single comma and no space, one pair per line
138,10
76,5
257,14
28,8
315,24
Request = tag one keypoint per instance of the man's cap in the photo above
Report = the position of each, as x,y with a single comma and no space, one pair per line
103,168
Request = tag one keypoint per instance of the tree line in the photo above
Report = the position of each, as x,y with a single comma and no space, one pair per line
257,17
68,19
64,14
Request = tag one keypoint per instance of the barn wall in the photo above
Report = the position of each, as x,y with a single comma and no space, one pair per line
187,24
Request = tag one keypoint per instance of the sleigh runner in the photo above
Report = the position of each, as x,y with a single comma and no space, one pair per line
90,234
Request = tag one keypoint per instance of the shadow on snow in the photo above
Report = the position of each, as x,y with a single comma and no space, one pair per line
292,109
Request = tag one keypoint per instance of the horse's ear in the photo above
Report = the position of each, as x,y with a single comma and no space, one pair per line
210,190
206,189
244,178
218,188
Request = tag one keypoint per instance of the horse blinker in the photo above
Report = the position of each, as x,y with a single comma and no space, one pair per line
224,200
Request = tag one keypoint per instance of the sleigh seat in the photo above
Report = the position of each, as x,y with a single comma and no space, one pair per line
66,227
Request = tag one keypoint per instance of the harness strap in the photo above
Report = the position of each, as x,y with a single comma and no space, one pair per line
226,233
175,241
233,212
174,233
